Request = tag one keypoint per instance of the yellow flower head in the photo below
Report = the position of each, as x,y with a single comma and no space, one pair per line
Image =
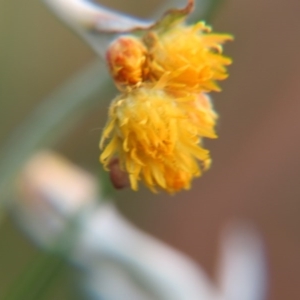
157,125
188,57
155,138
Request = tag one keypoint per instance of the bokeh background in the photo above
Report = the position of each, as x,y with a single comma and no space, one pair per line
256,160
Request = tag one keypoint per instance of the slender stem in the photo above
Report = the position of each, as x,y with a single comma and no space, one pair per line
53,118
36,278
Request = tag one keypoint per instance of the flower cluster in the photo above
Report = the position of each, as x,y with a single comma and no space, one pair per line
157,125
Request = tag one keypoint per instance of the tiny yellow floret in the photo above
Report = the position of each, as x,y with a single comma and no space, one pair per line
158,138
189,57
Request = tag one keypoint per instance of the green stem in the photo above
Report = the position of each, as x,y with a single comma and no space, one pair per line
53,118
37,278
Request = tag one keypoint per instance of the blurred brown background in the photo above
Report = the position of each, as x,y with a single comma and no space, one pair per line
256,169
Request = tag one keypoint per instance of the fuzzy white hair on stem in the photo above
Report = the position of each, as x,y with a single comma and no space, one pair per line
94,16
96,24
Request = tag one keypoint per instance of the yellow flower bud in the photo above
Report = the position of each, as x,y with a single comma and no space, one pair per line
126,57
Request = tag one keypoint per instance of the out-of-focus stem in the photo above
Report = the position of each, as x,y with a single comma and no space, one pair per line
57,206
90,15
36,279
53,118
108,238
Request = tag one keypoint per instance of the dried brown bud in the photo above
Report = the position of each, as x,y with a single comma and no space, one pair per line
119,178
